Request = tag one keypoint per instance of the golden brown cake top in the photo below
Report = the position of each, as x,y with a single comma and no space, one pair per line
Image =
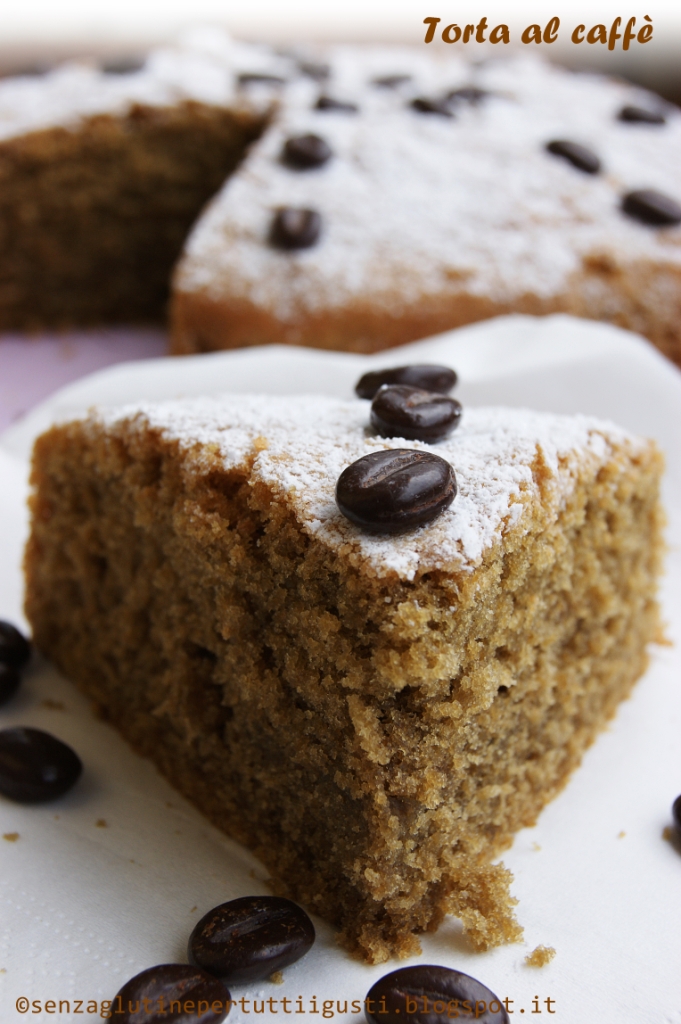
504,459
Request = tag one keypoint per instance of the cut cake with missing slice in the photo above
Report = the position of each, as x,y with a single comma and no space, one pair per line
422,191
374,717
434,218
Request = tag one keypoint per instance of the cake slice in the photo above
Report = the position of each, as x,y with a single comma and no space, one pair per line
373,716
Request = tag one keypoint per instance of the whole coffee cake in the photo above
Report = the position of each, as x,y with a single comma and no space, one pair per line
374,716
358,197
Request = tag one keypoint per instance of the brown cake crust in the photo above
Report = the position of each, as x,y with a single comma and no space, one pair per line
376,741
202,324
642,297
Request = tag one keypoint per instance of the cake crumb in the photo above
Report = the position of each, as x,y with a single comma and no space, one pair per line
621,835
667,833
661,638
52,705
193,909
11,837
277,978
536,847
540,957
101,823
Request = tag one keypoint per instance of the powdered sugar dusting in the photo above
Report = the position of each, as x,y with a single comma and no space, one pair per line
416,205
204,67
310,440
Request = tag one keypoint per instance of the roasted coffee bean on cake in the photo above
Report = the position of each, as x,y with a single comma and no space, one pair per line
373,713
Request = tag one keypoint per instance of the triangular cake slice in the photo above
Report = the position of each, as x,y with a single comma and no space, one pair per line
374,716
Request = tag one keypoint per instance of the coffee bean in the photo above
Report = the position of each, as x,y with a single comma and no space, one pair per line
391,81
640,115
428,376
468,94
37,70
10,679
401,411
320,72
395,490
259,78
579,156
152,997
35,766
305,151
651,207
15,650
432,105
676,812
248,939
293,228
432,995
123,65
342,106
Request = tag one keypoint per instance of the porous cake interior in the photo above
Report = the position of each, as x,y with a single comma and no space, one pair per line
375,741
98,213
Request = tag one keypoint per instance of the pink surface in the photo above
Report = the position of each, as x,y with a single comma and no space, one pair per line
31,368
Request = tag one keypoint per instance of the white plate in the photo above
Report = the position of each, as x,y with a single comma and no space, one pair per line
85,906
